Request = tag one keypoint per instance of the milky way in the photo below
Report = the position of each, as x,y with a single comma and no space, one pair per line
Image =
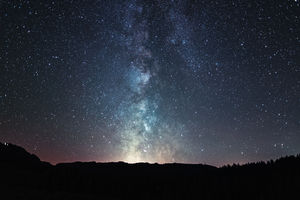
151,81
144,136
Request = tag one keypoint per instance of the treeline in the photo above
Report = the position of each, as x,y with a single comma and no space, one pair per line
24,176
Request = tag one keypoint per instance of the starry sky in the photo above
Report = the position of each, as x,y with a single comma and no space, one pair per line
213,82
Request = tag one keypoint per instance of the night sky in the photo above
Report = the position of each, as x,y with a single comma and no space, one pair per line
214,82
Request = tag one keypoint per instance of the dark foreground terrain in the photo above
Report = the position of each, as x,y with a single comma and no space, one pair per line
24,176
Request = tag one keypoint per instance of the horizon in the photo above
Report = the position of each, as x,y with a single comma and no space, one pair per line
151,81
120,161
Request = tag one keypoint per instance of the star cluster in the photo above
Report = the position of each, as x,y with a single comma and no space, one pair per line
151,81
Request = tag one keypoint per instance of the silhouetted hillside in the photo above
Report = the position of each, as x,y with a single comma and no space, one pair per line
16,156
24,176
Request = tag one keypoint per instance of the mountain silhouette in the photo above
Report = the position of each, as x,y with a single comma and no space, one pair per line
24,176
16,156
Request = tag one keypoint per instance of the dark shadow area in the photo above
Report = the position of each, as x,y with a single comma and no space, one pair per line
24,176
